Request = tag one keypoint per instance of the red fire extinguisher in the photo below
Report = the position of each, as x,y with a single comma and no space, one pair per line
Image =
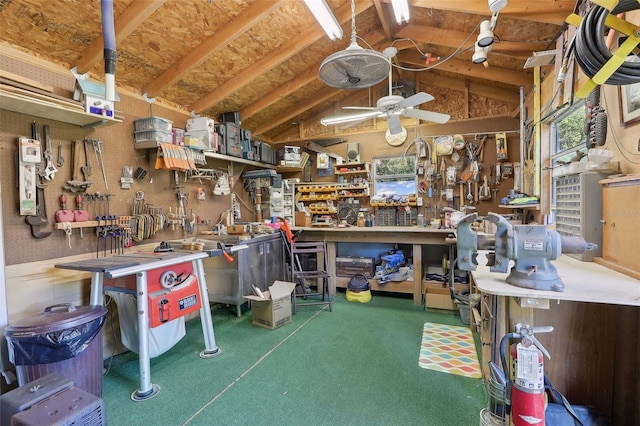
525,401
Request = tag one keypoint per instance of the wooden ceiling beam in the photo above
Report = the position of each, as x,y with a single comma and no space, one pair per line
469,69
221,38
544,11
307,76
479,89
296,111
456,39
125,24
272,60
382,17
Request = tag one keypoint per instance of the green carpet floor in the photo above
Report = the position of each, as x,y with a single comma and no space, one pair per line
357,365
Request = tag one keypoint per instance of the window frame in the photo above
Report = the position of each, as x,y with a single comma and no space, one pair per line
409,176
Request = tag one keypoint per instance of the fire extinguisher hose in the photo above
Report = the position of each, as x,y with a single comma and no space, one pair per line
504,343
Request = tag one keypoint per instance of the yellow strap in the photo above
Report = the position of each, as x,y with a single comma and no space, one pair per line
574,20
620,25
618,58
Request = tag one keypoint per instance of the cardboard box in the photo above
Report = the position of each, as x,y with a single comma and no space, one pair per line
302,219
274,309
438,296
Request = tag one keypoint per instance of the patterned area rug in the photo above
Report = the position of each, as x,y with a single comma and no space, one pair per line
450,349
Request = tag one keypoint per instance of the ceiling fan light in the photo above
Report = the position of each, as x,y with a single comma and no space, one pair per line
401,10
480,55
325,18
497,5
485,38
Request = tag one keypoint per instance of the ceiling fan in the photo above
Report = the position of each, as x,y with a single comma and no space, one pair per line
390,107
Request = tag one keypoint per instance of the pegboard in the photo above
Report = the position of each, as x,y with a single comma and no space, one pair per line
117,151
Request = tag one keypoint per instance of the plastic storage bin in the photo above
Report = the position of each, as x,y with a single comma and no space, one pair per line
151,138
152,123
64,339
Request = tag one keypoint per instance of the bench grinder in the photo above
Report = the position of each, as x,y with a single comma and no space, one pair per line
531,247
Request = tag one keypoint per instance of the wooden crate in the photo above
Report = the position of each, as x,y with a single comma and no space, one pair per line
621,215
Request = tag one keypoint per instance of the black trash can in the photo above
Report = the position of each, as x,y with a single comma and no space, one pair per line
64,339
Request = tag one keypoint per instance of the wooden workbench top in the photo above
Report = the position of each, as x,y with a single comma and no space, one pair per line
584,282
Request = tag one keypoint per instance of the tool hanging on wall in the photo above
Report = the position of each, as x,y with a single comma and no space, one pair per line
63,215
59,158
86,169
75,184
596,120
39,220
485,192
49,171
97,147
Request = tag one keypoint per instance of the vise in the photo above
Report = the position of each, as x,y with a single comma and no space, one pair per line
531,247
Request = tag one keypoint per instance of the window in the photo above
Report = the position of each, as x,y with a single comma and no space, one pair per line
394,176
568,135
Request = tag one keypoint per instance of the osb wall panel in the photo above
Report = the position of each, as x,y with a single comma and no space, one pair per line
118,151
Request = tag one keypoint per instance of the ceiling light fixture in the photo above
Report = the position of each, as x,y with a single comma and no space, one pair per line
325,18
339,119
480,54
401,10
497,5
485,38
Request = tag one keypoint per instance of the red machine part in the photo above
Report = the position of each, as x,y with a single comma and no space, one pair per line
172,292
527,392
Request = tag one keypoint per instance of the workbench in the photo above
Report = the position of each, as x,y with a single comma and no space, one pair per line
138,264
594,345
415,236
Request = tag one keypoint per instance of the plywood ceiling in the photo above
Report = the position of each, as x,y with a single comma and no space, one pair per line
261,57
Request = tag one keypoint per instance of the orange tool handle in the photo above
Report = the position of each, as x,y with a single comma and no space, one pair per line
227,256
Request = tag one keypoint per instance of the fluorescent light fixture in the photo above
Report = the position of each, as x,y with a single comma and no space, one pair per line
340,119
497,5
401,10
485,38
325,18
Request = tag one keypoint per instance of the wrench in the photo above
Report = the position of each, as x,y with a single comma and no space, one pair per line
49,170
469,194
60,158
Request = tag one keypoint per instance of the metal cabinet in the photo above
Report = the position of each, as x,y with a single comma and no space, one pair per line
260,264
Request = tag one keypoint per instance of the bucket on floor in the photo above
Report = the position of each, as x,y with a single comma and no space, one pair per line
64,339
463,300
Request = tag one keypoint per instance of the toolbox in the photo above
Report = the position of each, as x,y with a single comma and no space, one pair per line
348,266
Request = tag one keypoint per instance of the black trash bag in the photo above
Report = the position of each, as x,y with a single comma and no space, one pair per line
49,344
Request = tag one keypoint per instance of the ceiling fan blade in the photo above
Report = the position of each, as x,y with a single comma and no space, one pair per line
435,117
417,99
394,124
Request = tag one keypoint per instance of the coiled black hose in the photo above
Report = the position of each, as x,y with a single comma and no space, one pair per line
590,50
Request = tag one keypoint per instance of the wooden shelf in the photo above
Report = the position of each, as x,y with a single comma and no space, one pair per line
87,224
52,110
392,286
233,159
521,206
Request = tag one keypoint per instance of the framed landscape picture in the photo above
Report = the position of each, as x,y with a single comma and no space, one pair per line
629,97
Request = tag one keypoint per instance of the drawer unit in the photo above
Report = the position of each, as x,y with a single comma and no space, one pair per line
579,209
